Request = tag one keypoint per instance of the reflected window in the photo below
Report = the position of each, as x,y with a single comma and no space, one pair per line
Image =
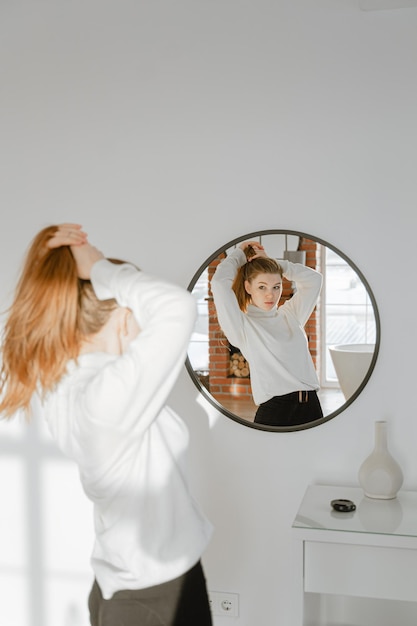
348,314
199,344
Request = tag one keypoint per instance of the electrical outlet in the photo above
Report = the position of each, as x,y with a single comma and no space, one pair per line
224,603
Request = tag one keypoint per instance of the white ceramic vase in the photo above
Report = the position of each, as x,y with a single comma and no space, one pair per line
380,476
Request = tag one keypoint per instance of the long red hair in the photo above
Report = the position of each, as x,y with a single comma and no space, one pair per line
46,323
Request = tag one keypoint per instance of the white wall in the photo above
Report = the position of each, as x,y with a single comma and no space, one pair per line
168,129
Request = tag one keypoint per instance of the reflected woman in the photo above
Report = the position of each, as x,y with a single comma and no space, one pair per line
247,287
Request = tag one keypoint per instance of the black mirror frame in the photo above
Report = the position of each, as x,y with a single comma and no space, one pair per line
359,390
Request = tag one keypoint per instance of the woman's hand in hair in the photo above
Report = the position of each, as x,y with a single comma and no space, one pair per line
67,235
85,256
253,250
84,253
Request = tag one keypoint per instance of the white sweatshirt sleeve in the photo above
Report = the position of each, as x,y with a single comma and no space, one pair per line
129,391
228,311
308,284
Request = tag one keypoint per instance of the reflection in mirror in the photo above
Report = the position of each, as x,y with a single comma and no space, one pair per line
343,331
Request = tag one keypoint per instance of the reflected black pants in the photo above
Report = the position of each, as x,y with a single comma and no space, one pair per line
180,602
292,409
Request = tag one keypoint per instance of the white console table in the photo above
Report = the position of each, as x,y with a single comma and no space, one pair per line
368,553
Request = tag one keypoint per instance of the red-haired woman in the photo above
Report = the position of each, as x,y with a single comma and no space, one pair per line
247,287
84,336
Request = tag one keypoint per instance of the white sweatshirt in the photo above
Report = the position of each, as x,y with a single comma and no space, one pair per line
108,414
273,342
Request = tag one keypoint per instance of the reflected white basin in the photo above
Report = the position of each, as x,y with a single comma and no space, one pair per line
351,362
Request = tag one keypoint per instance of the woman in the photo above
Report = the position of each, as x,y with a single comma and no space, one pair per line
247,287
102,344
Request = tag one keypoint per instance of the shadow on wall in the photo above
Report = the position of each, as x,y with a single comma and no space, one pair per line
46,526
45,532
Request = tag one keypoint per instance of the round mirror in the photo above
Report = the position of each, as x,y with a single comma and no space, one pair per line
342,332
